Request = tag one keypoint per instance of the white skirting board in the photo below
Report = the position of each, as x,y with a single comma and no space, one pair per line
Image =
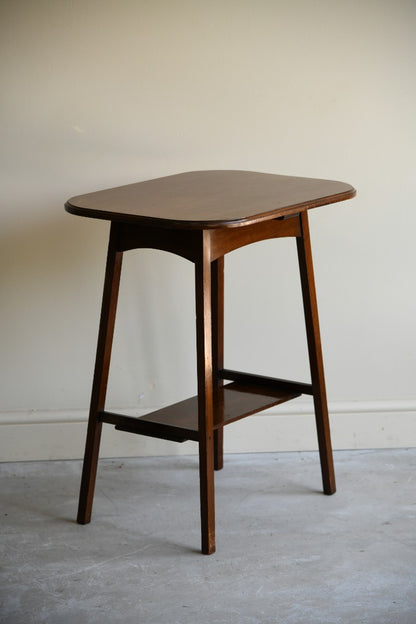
44,435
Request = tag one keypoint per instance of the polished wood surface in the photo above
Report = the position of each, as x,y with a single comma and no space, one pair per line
179,422
202,216
316,364
209,199
203,306
217,304
99,387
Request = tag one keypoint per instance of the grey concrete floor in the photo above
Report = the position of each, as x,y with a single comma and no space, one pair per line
285,552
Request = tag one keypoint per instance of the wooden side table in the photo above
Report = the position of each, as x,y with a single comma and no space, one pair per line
202,216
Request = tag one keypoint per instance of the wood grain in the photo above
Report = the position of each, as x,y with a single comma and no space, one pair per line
201,216
209,199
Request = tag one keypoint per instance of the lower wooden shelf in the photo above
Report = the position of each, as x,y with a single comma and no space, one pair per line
179,422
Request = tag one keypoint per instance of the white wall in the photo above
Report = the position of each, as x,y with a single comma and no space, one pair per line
101,93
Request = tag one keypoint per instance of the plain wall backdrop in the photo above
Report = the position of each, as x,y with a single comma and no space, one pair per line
97,94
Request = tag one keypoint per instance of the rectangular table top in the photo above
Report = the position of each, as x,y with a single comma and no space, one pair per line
209,199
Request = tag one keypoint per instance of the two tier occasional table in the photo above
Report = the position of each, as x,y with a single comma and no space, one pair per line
201,216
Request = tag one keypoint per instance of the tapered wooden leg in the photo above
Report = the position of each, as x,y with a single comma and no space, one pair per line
205,399
99,388
217,294
315,355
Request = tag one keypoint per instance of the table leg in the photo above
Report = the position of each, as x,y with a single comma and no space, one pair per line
315,355
205,399
99,388
217,300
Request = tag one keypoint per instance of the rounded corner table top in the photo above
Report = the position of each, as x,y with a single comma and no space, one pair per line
209,199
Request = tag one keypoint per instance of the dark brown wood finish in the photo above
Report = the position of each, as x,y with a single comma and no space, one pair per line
179,422
102,366
229,239
217,301
202,216
209,199
270,383
203,285
315,356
